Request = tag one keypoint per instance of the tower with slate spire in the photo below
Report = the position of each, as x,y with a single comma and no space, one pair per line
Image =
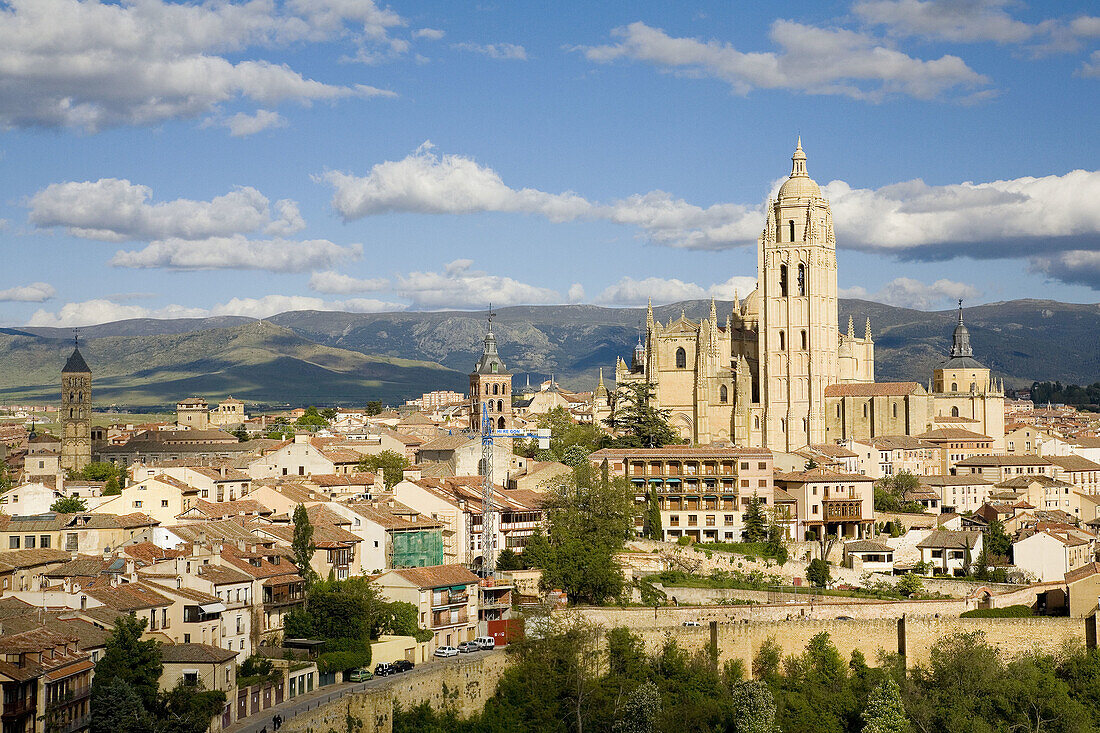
491,386
963,389
76,411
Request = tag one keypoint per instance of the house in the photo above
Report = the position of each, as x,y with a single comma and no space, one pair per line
336,549
964,493
161,497
196,663
955,444
304,456
950,553
392,535
27,569
1002,468
1083,585
1051,553
1031,440
906,454
460,455
87,533
836,504
445,597
47,682
1079,471
869,555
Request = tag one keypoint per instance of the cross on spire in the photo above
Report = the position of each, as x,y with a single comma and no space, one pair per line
76,337
491,315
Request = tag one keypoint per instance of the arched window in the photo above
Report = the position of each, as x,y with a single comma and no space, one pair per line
865,409
723,394
71,413
486,389
681,358
72,397
756,422
801,279
504,389
500,423
496,389
954,387
500,405
783,281
782,341
973,387
790,225
803,336
783,424
805,425
838,410
895,409
954,412
489,405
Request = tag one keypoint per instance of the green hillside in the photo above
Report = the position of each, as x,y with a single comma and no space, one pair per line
258,361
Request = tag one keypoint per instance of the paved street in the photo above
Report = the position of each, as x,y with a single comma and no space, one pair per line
302,703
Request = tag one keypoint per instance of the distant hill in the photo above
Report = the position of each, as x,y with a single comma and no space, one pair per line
256,361
344,358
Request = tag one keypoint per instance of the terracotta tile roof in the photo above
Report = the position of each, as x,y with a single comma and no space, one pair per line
950,539
820,474
953,434
223,509
1085,571
447,442
359,478
126,596
974,479
221,575
81,566
873,389
835,451
29,558
672,452
900,442
385,517
867,546
996,461
1074,463
148,553
436,576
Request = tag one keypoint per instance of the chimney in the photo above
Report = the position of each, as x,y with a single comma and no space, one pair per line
223,471
413,473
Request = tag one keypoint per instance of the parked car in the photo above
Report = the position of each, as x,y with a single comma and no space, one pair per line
692,623
446,651
360,675
384,669
402,665
468,646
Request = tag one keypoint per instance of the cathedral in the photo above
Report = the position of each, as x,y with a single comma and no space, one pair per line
778,372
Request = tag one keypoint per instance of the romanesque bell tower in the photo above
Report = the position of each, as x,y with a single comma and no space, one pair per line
491,387
76,413
796,271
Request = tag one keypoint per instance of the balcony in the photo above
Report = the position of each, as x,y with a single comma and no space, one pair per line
20,707
842,510
452,599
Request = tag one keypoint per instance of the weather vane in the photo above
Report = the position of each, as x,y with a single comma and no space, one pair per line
491,314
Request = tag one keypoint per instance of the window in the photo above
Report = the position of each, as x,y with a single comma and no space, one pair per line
954,412
783,281
500,423
723,394
496,389
164,502
804,341
801,280
13,543
137,505
693,519
954,387
190,678
815,509
729,519
28,542
865,409
744,465
681,358
790,226
500,405
895,409
782,341
44,542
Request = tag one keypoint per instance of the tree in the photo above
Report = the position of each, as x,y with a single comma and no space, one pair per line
127,675
753,708
756,524
574,455
817,572
5,477
69,505
116,708
302,544
241,434
777,542
188,708
885,712
890,494
589,517
509,560
638,423
998,541
391,463
641,710
910,584
329,413
653,524
311,419
112,488
374,407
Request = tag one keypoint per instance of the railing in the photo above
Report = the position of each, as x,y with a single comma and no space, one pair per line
76,724
451,600
20,707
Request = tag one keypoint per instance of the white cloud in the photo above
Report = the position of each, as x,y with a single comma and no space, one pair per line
426,183
335,282
238,253
1073,266
810,60
91,312
91,64
243,125
905,292
432,34
576,293
33,293
116,210
460,287
509,51
1091,68
631,292
976,20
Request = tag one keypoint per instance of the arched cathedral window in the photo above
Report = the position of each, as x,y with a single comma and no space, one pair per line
496,389
783,281
954,387
681,358
500,423
790,225
954,412
500,405
803,335
801,279
782,341
723,394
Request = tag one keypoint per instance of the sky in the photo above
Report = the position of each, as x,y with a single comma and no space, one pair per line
162,159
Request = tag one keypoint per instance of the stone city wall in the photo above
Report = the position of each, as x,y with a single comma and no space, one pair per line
463,685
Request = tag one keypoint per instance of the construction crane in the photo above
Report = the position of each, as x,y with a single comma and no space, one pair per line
488,510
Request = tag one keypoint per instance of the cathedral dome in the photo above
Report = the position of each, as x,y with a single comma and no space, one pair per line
799,185
750,306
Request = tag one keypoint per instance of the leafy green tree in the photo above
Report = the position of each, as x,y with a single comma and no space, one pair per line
890,494
997,540
910,584
818,573
641,710
653,524
240,434
127,675
99,471
69,505
374,407
188,708
509,560
637,422
756,524
5,477
112,488
589,516
329,413
116,708
302,544
753,708
885,712
311,419
391,463
765,663
777,542
574,455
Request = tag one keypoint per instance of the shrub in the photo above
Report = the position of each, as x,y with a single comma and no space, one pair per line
1007,612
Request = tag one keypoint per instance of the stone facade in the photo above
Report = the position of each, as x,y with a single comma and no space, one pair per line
76,413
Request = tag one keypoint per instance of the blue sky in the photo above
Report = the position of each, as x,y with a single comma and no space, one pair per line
162,159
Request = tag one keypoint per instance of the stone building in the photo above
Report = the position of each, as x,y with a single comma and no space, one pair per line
76,413
491,390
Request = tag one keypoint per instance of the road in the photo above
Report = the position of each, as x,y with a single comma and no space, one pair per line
311,700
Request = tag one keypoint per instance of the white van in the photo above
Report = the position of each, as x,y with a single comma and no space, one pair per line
485,642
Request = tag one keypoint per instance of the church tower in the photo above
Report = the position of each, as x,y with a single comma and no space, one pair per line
76,413
796,277
491,387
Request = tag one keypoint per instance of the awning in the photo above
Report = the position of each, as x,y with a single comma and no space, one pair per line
212,607
672,480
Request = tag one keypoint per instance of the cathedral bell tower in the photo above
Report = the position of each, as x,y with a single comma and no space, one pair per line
796,275
76,412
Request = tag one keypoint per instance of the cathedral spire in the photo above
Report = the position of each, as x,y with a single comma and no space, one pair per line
867,329
798,161
851,328
713,312
961,341
649,317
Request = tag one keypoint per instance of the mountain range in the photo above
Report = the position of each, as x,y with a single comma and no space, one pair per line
322,357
